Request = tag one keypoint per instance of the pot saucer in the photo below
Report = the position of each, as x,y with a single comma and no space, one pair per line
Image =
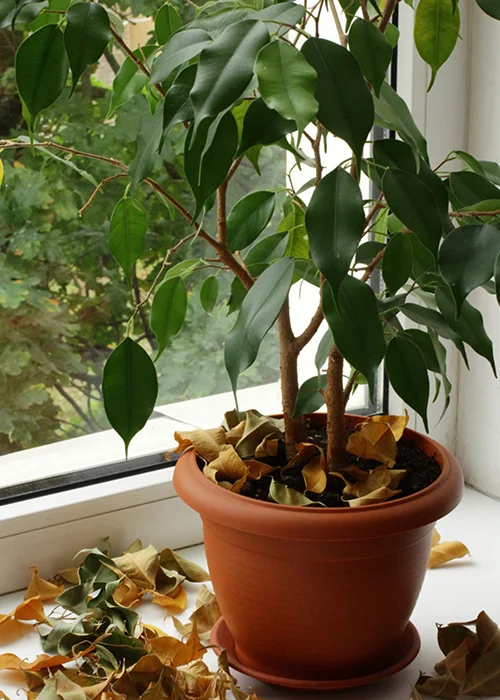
408,650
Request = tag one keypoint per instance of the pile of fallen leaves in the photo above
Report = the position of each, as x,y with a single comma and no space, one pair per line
95,646
471,667
247,450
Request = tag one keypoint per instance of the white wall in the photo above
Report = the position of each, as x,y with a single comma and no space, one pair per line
478,415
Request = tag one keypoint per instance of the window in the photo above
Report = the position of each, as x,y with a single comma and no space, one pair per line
64,302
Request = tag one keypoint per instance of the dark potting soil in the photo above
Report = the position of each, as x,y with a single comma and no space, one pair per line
421,471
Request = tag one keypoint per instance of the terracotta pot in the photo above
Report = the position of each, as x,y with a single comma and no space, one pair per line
319,593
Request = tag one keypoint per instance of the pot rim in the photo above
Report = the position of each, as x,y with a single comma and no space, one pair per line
274,519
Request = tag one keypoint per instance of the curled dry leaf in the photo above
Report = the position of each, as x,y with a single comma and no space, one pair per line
128,593
267,448
139,566
172,651
378,486
286,496
173,603
39,587
444,686
69,575
9,662
172,561
251,432
397,424
207,443
373,441
228,466
443,552
30,609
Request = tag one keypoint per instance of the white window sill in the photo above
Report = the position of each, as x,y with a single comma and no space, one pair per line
458,591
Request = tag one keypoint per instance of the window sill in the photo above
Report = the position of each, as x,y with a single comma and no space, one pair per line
458,591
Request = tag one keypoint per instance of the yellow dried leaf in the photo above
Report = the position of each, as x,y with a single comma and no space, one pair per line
43,661
31,609
396,423
267,448
1,172
2,694
127,593
70,575
9,662
228,465
443,552
234,435
183,628
172,602
305,452
436,537
140,566
374,441
378,496
257,469
39,587
174,652
256,428
377,479
174,562
314,474
207,612
207,443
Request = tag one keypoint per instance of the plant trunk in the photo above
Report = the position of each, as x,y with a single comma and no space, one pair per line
335,456
294,429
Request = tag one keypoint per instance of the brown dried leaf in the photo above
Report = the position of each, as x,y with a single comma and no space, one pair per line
3,696
257,469
460,659
373,441
254,430
39,587
378,496
207,443
31,609
444,552
415,695
207,612
487,632
127,593
314,474
174,603
173,561
140,566
155,692
436,537
444,686
43,661
228,465
9,662
451,636
172,651
267,448
397,424
483,679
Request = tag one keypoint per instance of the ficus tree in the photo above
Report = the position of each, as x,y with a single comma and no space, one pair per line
239,78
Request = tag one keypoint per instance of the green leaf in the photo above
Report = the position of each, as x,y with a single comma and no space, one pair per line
397,262
393,113
263,126
414,204
491,8
167,22
392,35
259,311
86,36
350,7
435,321
470,188
471,162
467,259
226,68
356,326
367,251
437,26
496,275
248,218
345,102
148,142
282,13
424,343
491,170
309,398
19,12
440,352
129,80
168,311
335,221
391,153
181,47
127,233
183,269
286,496
266,251
41,69
372,50
287,82
178,107
129,387
407,373
209,293
207,168
324,349
469,326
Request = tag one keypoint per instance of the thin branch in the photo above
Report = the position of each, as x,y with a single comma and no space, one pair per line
94,193
338,24
459,214
317,154
311,330
66,149
369,268
111,61
141,311
222,214
350,385
364,10
376,206
135,59
76,407
388,12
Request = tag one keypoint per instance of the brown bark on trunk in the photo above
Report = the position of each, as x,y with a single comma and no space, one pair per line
335,456
294,429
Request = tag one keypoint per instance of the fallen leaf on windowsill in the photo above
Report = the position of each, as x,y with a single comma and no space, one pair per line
30,609
443,552
41,588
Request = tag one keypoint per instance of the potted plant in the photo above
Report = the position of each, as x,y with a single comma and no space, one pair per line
317,526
